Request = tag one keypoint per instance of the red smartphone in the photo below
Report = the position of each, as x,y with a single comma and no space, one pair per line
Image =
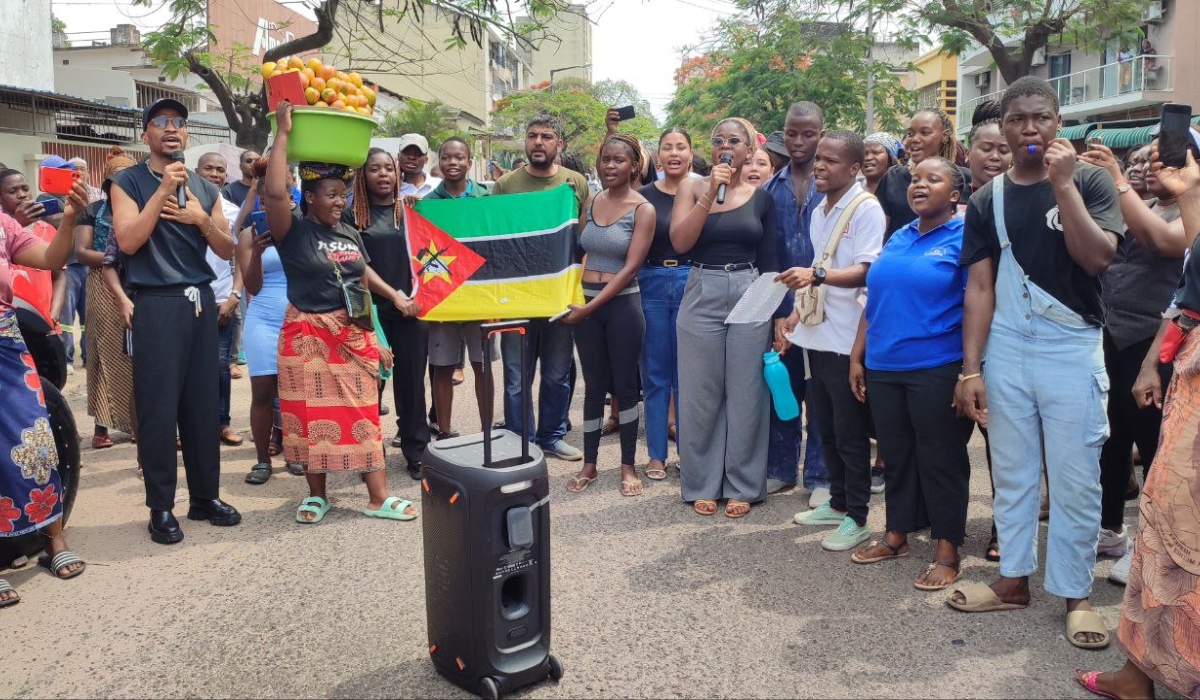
57,181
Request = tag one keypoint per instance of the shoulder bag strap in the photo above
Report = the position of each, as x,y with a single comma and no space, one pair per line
839,226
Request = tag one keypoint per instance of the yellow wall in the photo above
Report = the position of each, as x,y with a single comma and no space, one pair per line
938,73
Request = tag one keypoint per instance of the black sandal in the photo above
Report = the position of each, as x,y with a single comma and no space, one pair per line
993,548
295,468
259,473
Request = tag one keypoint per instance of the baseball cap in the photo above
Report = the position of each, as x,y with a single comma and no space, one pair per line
56,162
775,145
414,140
161,104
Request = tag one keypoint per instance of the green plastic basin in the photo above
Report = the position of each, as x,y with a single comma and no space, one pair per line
327,135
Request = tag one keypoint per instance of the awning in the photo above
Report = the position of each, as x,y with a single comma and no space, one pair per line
1075,133
1124,138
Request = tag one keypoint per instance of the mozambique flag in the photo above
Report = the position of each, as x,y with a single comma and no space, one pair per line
499,257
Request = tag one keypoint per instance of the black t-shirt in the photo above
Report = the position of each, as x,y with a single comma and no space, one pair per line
1188,294
745,234
309,253
236,192
174,255
386,247
892,194
661,248
1031,217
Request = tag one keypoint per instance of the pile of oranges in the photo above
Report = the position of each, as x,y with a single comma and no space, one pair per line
325,86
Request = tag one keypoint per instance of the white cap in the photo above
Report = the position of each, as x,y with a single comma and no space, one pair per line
414,140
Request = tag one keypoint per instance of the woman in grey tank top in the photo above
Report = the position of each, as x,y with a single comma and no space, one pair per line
610,326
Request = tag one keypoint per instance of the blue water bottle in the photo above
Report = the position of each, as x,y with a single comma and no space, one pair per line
780,385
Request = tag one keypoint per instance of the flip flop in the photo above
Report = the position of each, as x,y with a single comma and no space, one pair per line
656,474
1088,680
5,587
610,426
392,509
1083,621
313,504
704,506
100,442
581,483
979,597
627,488
733,509
896,553
957,566
60,561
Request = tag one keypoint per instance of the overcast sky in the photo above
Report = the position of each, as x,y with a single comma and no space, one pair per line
634,40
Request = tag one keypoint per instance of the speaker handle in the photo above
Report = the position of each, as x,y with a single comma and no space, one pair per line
489,330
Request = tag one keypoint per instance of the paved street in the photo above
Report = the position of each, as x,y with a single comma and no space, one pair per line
649,599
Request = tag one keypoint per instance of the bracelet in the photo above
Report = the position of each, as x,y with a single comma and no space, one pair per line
965,377
209,230
703,207
706,198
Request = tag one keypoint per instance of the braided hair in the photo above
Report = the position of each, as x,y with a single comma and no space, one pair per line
957,180
362,199
948,149
640,162
988,112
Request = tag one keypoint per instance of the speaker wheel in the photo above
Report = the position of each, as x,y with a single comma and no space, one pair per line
489,689
556,668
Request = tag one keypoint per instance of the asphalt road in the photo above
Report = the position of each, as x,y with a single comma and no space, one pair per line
649,599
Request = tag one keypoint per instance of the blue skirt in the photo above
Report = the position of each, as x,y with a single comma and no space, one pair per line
30,490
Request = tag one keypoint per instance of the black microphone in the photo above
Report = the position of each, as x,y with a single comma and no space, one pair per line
726,159
178,157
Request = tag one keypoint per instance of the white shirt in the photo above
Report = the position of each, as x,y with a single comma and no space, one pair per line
223,269
861,243
428,186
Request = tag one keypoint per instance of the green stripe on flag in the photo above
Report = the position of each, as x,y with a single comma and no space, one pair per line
503,215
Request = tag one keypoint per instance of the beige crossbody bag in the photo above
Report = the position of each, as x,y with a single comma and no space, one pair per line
810,301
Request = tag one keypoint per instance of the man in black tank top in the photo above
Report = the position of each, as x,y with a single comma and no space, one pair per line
163,242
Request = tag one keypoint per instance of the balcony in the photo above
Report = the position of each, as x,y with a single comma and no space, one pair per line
1137,82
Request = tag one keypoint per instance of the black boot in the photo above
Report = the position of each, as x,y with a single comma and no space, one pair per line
215,511
164,528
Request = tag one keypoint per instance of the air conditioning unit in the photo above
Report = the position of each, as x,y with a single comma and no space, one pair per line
1039,57
1153,13
982,80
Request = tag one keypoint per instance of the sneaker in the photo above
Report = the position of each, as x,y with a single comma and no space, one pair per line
560,449
70,369
775,485
821,515
396,442
819,497
1120,570
848,536
384,410
877,480
1112,544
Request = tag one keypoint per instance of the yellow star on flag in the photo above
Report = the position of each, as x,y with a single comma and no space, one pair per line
434,264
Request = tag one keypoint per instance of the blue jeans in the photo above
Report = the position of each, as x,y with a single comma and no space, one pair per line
553,346
225,335
75,304
783,451
662,291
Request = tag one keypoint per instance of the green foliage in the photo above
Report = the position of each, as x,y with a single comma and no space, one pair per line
580,110
764,60
433,120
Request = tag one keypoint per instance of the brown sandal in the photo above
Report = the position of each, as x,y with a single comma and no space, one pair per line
736,509
704,506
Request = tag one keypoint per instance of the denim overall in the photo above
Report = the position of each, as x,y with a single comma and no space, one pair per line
1047,390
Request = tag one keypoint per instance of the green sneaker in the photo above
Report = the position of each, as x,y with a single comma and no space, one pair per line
848,536
821,515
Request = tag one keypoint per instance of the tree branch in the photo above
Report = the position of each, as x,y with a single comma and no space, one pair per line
326,24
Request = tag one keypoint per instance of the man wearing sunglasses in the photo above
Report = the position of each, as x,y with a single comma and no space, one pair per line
164,242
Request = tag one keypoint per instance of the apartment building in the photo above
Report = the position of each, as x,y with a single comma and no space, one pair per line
566,49
1117,92
935,81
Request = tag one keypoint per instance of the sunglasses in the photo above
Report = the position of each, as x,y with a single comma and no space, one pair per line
732,141
161,122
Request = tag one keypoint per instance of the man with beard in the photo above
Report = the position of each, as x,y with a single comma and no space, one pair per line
164,242
551,343
414,152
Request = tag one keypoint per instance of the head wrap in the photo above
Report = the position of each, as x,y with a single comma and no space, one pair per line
890,143
310,172
117,160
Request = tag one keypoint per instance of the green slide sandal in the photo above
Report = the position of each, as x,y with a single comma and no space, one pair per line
313,504
393,509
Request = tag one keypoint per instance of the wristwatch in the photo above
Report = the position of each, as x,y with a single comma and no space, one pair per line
1122,187
235,293
818,276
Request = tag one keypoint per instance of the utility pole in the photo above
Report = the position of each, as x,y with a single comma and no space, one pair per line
870,120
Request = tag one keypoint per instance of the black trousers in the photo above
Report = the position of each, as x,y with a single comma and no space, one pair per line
924,445
409,338
609,343
174,364
1128,426
844,424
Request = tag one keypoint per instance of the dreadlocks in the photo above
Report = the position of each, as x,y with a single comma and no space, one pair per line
362,199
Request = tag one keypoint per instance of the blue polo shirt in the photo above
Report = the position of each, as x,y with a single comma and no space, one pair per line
915,294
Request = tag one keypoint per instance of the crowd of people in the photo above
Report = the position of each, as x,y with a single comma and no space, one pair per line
1041,293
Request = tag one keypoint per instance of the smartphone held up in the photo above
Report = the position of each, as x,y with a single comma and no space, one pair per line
1175,136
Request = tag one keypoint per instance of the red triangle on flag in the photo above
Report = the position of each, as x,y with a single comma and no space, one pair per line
440,264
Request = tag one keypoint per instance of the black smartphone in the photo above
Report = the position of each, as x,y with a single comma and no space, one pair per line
626,113
52,207
1174,135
